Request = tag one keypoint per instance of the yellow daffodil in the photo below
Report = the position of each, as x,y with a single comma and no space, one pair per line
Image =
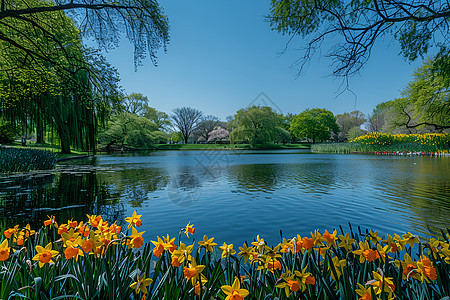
159,247
346,241
381,282
289,283
246,252
227,250
234,292
330,238
193,272
141,284
135,220
136,239
4,250
189,229
317,238
366,253
72,249
286,246
410,239
338,267
259,244
71,236
304,278
426,269
373,236
183,253
45,255
50,221
208,244
169,244
365,293
9,232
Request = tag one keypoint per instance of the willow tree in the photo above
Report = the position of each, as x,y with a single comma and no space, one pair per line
257,125
142,22
67,97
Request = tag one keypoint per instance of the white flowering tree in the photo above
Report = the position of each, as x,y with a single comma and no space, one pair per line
218,134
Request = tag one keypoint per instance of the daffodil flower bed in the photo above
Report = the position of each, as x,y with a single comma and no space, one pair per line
436,143
98,260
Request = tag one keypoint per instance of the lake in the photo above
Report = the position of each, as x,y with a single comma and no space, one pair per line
236,194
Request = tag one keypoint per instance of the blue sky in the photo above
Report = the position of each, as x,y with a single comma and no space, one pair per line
222,54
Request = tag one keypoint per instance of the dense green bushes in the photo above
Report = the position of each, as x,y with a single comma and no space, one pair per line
7,133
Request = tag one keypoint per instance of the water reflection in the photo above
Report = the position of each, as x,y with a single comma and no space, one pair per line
185,187
418,190
255,178
268,178
389,194
134,185
70,194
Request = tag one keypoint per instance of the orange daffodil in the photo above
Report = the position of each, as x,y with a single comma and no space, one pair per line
366,253
136,239
189,229
296,282
234,292
45,255
134,220
4,250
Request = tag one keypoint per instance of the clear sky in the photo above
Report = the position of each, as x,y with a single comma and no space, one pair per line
222,54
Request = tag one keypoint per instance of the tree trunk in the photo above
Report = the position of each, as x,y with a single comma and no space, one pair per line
64,138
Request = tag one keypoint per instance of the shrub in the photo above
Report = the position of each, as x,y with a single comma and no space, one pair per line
7,133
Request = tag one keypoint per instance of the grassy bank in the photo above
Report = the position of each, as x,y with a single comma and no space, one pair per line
227,146
51,148
381,142
99,260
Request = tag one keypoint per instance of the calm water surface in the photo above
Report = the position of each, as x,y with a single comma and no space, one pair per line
235,195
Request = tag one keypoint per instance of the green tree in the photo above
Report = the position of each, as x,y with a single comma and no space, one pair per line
314,124
133,131
257,125
69,97
161,119
355,26
354,132
134,103
423,107
347,121
142,22
429,95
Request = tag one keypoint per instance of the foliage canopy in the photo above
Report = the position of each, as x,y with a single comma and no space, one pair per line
355,26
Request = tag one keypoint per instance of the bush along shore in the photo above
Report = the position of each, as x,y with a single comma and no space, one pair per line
100,260
400,144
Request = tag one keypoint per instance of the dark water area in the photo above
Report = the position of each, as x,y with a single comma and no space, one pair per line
235,195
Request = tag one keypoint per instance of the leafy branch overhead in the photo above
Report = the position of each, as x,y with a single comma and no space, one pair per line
353,27
142,22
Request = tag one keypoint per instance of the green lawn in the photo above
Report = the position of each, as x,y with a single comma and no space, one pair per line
55,148
226,146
